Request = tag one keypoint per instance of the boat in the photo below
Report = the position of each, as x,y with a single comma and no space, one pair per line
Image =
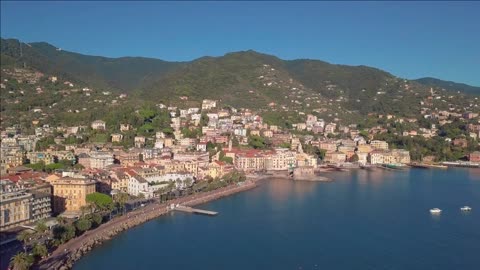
466,208
435,211
393,166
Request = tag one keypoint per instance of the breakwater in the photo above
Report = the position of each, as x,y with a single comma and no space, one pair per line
66,255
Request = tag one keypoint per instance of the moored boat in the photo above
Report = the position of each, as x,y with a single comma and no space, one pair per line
466,208
435,211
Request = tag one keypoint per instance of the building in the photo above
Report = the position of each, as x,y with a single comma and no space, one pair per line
389,157
14,209
460,142
124,127
40,206
474,156
335,157
98,125
116,137
69,193
208,104
329,146
100,160
139,141
382,145
250,161
218,169
137,185
282,159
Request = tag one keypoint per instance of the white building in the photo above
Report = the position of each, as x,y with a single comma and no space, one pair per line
98,125
137,185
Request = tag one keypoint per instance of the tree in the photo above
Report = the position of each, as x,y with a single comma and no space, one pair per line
285,145
179,182
257,142
82,225
41,227
354,158
121,199
69,232
188,182
21,261
96,219
203,119
100,201
40,251
61,220
63,233
25,236
84,209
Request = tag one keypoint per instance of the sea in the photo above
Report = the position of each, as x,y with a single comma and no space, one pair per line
363,220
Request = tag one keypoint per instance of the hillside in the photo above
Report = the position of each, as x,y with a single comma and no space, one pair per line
245,79
125,74
449,85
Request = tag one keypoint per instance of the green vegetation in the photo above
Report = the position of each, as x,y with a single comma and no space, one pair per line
39,251
82,225
100,201
224,158
21,261
258,142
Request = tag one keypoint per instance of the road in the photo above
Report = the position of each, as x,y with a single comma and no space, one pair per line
136,217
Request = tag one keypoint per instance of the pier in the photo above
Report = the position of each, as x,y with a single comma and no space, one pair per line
188,209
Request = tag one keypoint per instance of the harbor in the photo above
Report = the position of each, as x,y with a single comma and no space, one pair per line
282,212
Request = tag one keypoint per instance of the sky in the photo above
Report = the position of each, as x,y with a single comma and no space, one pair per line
408,39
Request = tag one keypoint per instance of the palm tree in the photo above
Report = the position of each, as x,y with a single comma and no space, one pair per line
179,182
188,182
61,220
21,261
121,199
25,236
40,250
41,227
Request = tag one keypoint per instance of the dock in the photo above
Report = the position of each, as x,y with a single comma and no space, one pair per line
188,209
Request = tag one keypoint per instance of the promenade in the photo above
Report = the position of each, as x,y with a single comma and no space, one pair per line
65,255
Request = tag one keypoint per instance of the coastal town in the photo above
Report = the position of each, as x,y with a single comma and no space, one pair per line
54,172
239,135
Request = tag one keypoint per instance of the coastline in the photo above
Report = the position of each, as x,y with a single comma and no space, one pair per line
67,254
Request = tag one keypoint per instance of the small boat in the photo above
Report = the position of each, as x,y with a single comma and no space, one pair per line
466,208
435,211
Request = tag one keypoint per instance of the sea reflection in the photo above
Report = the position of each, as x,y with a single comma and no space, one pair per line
282,190
279,190
474,174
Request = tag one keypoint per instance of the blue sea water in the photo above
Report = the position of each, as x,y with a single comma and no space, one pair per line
363,220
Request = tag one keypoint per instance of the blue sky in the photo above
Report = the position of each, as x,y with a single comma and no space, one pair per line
409,39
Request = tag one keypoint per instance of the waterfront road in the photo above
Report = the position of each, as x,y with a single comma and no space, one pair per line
138,216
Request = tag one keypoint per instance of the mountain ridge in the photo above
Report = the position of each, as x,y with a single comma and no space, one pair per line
247,79
424,80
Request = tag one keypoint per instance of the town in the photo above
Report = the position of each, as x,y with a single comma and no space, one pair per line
62,175
37,184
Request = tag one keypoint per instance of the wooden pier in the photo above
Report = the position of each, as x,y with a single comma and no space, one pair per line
188,209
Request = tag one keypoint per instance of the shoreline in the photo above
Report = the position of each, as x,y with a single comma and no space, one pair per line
81,245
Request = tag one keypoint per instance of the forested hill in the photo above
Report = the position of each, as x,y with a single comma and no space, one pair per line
450,86
125,73
241,79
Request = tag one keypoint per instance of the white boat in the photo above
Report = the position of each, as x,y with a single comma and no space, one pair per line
466,208
435,211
